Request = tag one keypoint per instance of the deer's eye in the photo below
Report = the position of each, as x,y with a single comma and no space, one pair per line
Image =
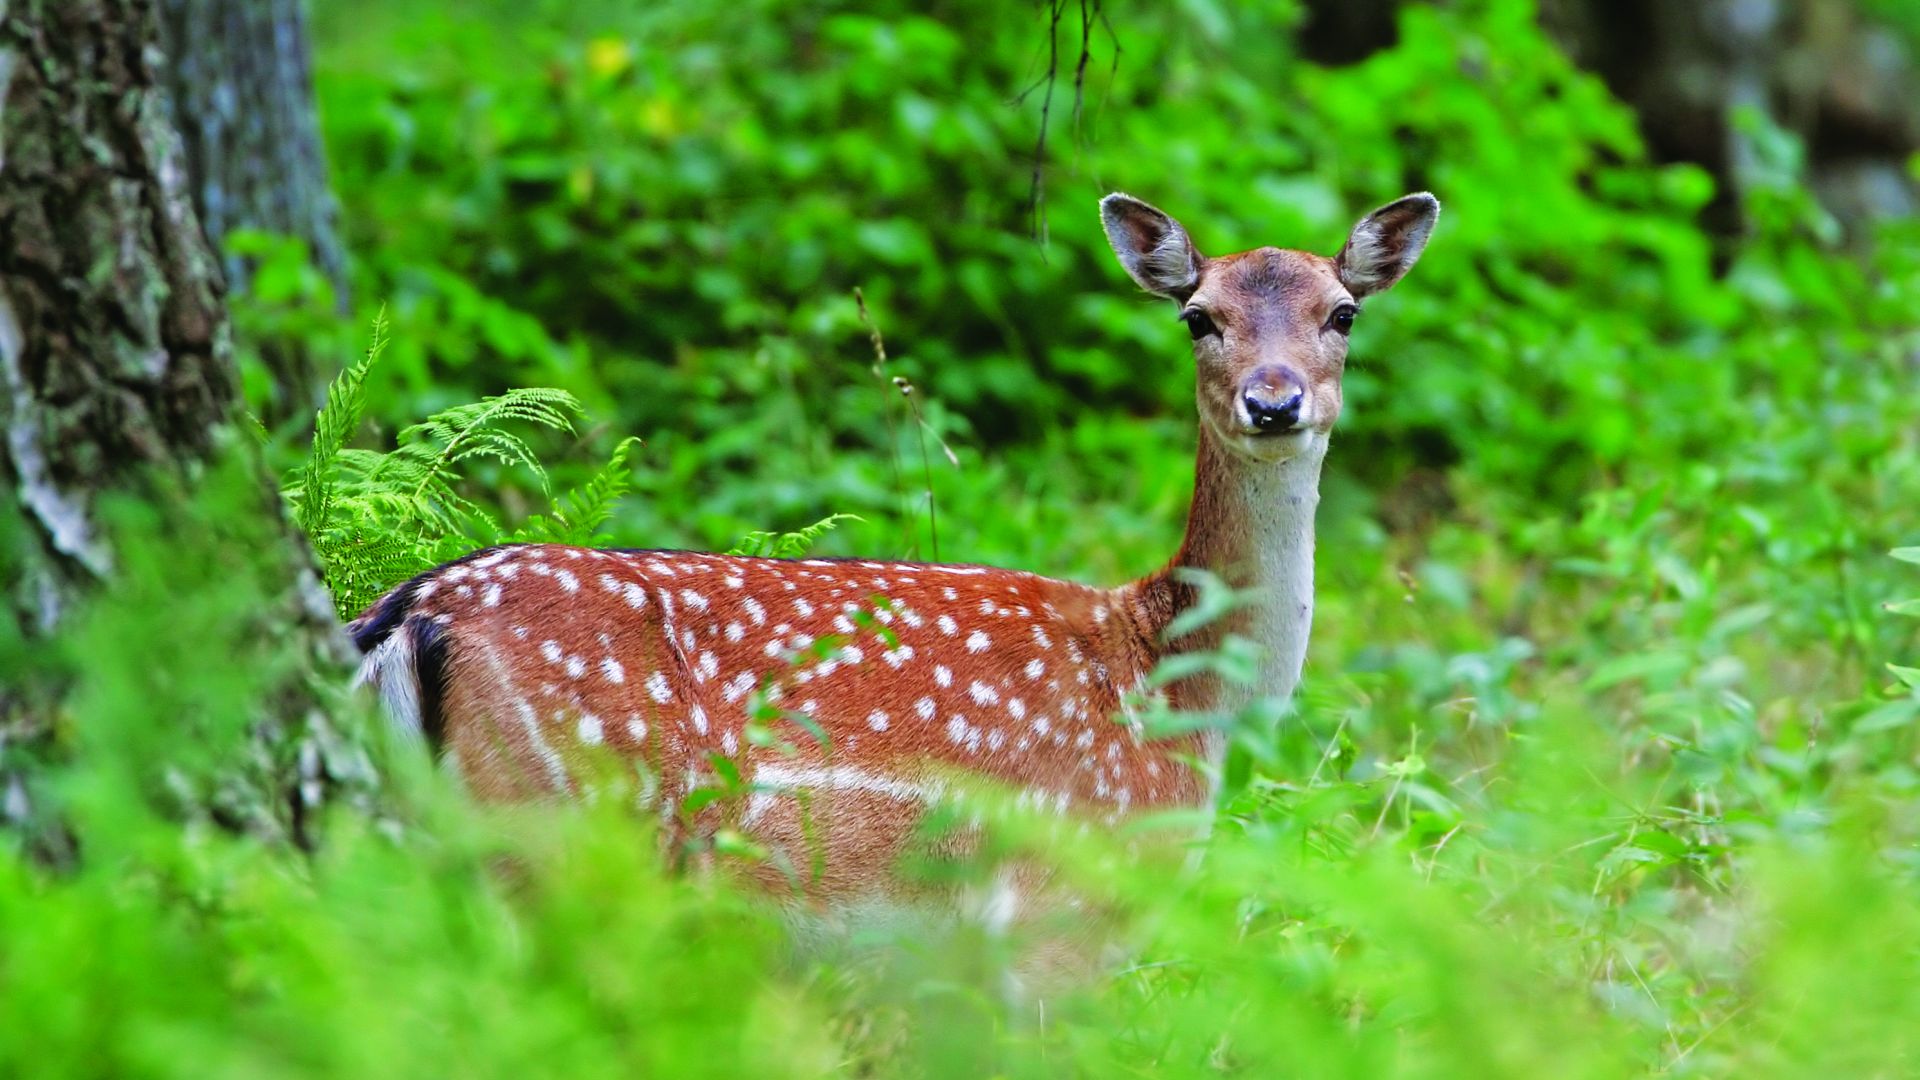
1342,319
1199,323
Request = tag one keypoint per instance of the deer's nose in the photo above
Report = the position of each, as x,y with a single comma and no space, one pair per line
1273,410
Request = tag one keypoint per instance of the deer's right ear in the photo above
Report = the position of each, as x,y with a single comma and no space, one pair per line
1152,247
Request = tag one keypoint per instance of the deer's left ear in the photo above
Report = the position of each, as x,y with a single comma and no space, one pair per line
1386,244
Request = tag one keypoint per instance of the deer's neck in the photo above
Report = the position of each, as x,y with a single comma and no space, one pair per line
1251,525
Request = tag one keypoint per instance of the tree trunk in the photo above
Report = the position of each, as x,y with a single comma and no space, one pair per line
116,363
240,84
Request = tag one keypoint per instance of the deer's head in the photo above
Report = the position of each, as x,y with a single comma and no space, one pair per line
1270,325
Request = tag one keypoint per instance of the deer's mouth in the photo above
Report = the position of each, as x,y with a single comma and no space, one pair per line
1271,446
1240,437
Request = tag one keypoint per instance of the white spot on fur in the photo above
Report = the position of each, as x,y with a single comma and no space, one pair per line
754,611
1035,669
699,717
978,641
493,560
552,651
588,728
877,720
947,625
943,674
657,686
924,708
786,778
492,596
737,687
983,694
567,580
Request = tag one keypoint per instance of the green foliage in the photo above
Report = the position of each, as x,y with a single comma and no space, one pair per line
376,518
1908,676
578,515
788,545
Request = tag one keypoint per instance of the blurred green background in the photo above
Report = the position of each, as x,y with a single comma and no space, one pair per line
1605,762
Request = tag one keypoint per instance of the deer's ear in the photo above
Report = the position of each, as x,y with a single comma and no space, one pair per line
1152,247
1386,244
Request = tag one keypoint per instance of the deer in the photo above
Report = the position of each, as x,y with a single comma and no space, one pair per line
522,664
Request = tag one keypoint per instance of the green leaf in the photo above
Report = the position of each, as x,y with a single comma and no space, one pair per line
789,545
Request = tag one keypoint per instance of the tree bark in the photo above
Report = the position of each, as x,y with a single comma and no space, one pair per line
115,361
240,92
241,85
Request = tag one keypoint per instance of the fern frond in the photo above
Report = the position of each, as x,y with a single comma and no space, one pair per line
375,518
789,545
312,495
442,441
577,516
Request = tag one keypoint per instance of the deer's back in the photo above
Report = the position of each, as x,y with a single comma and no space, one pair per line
535,661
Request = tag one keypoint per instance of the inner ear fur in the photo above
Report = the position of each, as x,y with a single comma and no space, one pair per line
1386,243
1152,247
